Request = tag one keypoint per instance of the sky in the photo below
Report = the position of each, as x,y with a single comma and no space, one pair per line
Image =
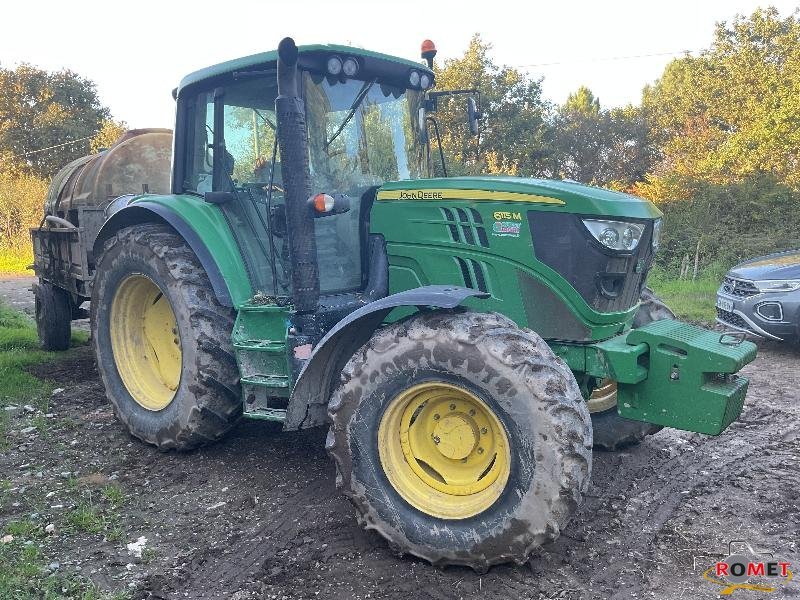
137,52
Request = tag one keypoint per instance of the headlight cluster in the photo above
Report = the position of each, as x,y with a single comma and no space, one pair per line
419,79
777,285
616,235
337,65
656,234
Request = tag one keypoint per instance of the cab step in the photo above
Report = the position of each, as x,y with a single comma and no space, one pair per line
266,414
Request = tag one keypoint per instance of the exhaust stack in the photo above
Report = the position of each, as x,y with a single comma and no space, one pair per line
293,142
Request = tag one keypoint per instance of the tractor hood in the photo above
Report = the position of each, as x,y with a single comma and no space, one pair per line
546,194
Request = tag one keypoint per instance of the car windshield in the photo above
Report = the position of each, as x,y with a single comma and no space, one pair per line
361,134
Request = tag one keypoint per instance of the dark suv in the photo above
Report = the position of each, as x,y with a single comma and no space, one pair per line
762,296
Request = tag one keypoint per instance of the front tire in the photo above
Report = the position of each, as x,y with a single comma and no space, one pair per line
460,438
162,341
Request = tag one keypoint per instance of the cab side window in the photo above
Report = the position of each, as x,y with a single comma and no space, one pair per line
200,155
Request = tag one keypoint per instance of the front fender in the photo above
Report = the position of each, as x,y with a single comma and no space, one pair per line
308,402
201,225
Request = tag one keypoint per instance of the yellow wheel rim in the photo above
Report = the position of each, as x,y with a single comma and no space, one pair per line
603,397
145,342
444,450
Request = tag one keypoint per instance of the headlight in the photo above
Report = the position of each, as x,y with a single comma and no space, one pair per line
334,65
777,285
350,67
424,81
413,78
656,234
617,235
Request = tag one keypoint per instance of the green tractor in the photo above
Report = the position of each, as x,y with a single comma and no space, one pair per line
467,340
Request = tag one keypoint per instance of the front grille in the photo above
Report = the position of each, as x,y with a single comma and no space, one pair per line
732,319
609,281
738,287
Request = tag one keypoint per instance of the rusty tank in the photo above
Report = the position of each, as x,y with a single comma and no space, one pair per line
79,198
138,162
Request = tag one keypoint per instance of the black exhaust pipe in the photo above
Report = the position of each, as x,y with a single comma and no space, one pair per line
293,142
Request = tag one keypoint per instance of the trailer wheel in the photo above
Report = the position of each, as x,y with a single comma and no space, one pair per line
53,316
460,438
162,341
612,432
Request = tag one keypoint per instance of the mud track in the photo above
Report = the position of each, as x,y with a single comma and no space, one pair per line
258,515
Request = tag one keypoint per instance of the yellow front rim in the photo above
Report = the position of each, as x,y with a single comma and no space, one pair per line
145,342
603,397
444,450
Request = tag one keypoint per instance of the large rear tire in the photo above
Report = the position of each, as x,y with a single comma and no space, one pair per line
460,438
162,341
53,316
612,432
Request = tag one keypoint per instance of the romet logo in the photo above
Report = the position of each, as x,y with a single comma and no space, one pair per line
420,195
737,571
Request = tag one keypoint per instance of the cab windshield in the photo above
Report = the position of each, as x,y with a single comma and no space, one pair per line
361,134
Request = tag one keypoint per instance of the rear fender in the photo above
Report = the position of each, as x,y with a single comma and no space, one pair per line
201,225
309,400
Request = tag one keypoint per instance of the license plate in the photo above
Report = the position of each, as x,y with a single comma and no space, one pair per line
724,304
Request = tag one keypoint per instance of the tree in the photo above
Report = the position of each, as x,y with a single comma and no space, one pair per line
110,132
597,146
39,109
734,111
582,102
513,137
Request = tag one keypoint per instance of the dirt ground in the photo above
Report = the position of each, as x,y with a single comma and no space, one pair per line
258,515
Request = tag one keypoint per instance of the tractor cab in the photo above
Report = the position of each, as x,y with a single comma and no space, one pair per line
363,129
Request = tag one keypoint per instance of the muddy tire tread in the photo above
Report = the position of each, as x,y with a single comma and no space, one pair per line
214,369
473,328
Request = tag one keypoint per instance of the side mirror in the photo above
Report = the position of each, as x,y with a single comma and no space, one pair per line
219,197
325,205
277,220
472,115
423,125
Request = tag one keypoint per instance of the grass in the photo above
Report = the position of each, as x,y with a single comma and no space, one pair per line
19,349
97,515
114,495
87,518
689,300
16,261
25,571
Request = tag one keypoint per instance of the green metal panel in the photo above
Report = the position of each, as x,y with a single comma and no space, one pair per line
210,225
421,246
543,194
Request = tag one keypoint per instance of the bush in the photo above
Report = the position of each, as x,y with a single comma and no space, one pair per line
731,222
21,201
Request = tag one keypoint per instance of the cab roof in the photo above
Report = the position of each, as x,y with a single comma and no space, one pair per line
264,59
